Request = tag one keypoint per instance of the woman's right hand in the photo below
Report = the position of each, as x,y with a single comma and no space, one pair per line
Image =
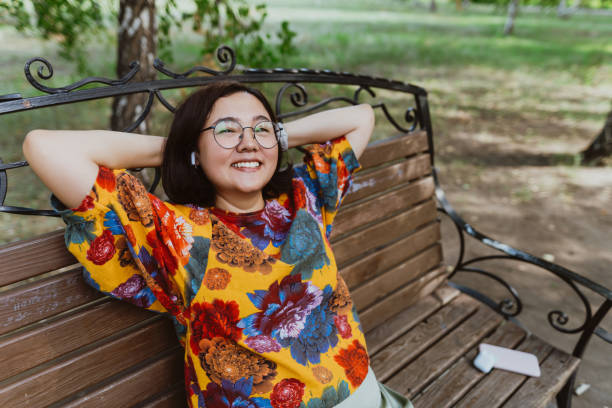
67,161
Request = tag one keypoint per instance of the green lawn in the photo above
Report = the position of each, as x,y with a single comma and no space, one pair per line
550,83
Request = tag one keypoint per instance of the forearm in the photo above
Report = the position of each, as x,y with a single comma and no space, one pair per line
67,161
354,122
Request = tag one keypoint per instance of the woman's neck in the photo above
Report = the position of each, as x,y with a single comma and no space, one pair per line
243,204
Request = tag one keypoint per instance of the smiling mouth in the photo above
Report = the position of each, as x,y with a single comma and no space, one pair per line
248,165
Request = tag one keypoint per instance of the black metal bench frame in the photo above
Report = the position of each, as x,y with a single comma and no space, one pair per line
415,117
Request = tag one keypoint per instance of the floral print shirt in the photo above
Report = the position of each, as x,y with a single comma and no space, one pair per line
257,301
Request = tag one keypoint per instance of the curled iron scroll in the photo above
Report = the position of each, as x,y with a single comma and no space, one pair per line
298,98
409,115
134,67
225,55
3,184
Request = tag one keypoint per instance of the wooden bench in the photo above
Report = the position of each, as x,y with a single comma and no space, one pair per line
63,344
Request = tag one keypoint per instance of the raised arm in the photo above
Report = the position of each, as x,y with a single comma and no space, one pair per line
354,122
67,161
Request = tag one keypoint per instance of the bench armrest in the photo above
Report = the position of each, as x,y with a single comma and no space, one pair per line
512,307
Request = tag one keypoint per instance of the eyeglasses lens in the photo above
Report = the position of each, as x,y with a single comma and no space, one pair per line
228,132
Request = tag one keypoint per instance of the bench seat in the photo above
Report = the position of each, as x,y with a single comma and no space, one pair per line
426,351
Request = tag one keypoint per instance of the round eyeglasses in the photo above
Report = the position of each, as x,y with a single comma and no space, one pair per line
228,133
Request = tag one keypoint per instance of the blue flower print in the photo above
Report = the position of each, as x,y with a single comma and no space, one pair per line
304,246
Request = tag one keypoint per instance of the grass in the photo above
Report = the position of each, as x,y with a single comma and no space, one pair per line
547,87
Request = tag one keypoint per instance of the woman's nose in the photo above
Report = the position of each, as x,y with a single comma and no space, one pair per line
247,141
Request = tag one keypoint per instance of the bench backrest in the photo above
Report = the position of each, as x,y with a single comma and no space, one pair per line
63,343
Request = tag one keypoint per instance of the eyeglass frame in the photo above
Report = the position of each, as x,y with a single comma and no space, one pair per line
274,126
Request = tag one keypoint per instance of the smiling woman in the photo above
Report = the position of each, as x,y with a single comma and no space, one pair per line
239,257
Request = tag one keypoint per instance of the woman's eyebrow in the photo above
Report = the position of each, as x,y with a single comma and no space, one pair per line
237,120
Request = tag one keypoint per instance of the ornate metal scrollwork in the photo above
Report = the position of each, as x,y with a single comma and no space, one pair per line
225,56
3,184
134,67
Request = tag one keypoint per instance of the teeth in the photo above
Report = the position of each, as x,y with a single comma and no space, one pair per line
246,164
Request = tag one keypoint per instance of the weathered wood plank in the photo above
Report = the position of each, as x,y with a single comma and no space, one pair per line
23,259
407,318
407,347
536,392
433,362
43,298
454,383
384,232
409,270
55,338
173,398
386,150
137,385
356,216
384,258
80,370
498,385
402,298
366,184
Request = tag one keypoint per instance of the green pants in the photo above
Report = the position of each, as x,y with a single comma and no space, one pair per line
374,394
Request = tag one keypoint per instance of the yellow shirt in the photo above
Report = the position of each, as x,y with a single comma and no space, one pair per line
257,301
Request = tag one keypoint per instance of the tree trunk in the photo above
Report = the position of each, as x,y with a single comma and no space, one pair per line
137,38
459,5
602,145
512,10
432,6
562,10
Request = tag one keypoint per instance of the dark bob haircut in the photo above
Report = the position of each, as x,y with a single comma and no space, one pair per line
186,184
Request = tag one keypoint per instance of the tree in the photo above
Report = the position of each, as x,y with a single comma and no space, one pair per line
144,31
602,145
512,11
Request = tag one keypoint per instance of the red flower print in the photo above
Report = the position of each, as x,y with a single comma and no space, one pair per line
216,319
161,253
355,362
102,248
86,204
344,328
287,393
299,194
106,179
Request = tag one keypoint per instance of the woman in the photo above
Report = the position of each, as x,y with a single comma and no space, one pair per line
239,256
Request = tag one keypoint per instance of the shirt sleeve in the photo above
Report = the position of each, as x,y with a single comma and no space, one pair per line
115,235
327,175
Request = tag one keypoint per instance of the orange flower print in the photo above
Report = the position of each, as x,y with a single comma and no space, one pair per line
355,361
106,179
135,199
322,374
217,278
199,216
176,231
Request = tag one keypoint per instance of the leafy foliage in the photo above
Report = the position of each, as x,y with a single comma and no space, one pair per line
231,22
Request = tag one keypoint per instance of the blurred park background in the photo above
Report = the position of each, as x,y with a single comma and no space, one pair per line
518,90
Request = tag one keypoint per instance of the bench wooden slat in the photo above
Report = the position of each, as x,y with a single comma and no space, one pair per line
536,392
450,386
383,232
393,148
372,182
405,320
23,259
55,338
384,258
135,386
173,398
498,385
43,298
407,347
414,377
409,270
83,369
401,298
371,210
